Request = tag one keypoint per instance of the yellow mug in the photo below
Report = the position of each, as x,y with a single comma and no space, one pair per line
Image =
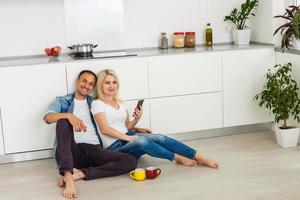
138,174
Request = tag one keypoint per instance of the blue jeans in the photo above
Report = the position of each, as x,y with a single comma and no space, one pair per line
156,145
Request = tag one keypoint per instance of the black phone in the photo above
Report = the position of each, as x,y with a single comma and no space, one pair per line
139,105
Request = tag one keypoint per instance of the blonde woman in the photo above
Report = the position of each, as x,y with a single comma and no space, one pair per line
114,127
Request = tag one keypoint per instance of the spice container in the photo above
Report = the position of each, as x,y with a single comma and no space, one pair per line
189,40
178,40
163,41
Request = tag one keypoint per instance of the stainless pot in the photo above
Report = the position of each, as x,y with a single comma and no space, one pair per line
82,48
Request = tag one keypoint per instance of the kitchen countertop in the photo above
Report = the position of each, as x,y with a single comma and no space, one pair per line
141,52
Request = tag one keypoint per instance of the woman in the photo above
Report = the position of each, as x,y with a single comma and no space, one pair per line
114,124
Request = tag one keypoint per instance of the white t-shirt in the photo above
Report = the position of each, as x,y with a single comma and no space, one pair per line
115,118
81,110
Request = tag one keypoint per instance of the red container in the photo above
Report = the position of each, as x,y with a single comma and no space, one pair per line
189,39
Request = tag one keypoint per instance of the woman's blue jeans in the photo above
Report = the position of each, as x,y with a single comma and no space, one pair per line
156,145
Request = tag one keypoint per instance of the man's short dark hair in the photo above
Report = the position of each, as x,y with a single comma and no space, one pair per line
89,72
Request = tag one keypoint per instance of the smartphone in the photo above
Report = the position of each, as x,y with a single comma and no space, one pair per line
139,105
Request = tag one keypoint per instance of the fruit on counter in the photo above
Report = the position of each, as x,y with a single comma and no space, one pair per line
54,51
48,51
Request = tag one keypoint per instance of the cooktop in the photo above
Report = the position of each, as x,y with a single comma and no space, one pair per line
97,55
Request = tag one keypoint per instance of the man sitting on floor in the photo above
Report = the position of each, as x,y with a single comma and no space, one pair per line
79,151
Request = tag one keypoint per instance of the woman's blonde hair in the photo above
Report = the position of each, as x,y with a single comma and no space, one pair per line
101,76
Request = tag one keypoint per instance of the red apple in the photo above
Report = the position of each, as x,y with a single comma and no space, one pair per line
55,51
48,51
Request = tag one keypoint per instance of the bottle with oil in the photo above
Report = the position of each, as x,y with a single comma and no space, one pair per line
208,35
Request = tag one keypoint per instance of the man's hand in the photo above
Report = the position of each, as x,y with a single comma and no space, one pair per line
77,123
142,130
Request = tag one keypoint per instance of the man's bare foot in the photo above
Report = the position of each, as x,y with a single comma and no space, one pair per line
201,160
77,174
185,161
70,190
61,182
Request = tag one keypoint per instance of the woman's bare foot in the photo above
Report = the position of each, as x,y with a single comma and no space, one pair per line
185,161
201,160
77,174
70,190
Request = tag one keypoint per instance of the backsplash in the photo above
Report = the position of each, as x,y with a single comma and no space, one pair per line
27,27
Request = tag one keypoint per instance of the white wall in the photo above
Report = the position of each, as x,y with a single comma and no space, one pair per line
95,21
144,19
27,27
262,24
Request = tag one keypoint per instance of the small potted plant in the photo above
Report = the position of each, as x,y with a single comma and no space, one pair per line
290,30
241,33
280,96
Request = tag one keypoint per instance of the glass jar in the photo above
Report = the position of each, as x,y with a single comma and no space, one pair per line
178,40
189,40
163,41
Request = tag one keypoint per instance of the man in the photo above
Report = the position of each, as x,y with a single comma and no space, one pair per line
79,151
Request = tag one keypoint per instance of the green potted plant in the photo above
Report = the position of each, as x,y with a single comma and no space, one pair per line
290,30
280,96
241,33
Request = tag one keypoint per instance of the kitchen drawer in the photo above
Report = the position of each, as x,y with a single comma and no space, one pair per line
243,78
132,72
185,74
31,89
186,113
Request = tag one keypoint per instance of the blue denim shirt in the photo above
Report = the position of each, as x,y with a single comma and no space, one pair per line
65,104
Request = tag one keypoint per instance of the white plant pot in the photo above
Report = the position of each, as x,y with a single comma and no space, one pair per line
296,44
287,137
241,36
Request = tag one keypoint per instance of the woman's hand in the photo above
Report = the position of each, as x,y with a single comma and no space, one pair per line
137,114
131,138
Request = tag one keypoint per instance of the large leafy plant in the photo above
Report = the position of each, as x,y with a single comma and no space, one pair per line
291,27
239,18
280,94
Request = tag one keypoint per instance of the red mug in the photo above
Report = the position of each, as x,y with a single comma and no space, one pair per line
152,172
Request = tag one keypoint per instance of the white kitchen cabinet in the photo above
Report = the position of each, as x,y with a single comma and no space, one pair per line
185,74
145,119
26,92
132,72
1,137
243,78
186,113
